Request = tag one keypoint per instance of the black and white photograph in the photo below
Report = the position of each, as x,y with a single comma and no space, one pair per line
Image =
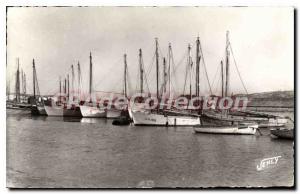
156,97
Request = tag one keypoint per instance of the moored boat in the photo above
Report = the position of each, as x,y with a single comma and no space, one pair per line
38,110
283,133
237,130
54,111
92,111
72,111
113,113
218,119
161,119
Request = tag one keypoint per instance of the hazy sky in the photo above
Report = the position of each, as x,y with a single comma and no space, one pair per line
261,38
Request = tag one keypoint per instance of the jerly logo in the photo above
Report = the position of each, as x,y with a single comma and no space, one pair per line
267,163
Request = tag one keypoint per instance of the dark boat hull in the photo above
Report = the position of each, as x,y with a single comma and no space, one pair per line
38,111
283,133
72,112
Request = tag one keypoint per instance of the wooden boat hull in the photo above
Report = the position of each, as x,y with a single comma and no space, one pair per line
247,130
92,112
56,111
283,133
72,112
146,118
113,113
38,111
218,120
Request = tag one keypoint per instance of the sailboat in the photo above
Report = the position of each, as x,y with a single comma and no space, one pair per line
138,105
160,117
56,108
71,108
89,109
226,117
18,103
114,112
37,107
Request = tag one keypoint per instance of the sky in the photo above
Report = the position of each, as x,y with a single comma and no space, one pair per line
262,40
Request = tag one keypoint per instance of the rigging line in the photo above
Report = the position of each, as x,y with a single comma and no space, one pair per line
216,87
146,80
160,52
180,62
205,68
238,69
129,83
113,67
137,82
212,85
174,72
150,66
185,80
148,72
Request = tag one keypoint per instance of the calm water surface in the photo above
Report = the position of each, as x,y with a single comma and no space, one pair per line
57,152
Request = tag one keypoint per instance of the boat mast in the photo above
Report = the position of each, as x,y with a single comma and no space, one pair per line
169,68
68,86
24,84
79,81
59,85
165,76
18,83
65,86
125,77
91,77
8,89
198,57
72,78
227,64
141,71
222,77
190,66
157,68
59,97
33,73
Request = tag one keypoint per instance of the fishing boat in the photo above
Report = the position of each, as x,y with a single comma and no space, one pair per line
90,109
71,108
283,133
164,119
115,111
228,117
55,108
232,129
160,117
37,107
19,104
56,111
38,110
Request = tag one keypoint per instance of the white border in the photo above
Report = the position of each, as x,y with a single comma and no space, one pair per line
294,3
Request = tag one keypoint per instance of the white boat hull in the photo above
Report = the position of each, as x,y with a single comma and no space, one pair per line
113,113
54,110
92,112
146,118
247,130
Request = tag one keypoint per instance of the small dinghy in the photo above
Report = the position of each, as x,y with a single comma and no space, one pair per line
237,130
283,133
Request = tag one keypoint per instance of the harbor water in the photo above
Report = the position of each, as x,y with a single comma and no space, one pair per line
46,152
